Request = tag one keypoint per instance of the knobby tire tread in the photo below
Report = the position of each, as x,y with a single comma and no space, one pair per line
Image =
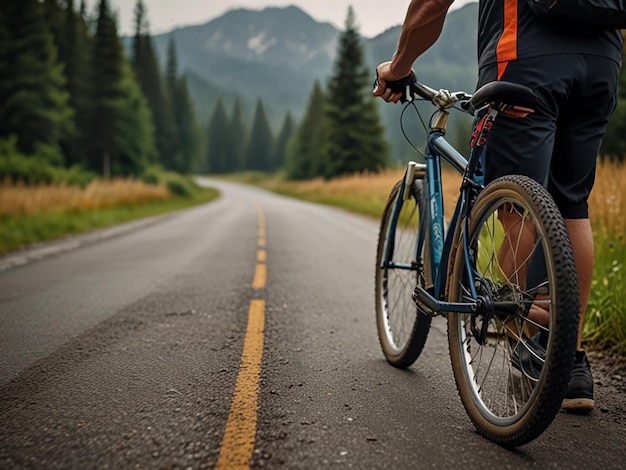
565,327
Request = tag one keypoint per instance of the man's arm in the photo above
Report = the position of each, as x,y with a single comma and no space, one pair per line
422,26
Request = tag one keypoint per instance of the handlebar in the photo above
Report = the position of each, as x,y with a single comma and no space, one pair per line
513,99
443,99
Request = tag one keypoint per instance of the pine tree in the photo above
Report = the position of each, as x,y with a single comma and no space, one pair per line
121,132
304,150
190,143
188,139
238,136
280,149
75,54
146,66
135,145
34,102
261,141
218,154
355,139
55,21
107,73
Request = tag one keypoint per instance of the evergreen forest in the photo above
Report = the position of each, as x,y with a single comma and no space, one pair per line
74,99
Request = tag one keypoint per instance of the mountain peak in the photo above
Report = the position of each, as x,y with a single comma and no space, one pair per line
273,35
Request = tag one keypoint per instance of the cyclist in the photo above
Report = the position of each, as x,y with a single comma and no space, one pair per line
574,73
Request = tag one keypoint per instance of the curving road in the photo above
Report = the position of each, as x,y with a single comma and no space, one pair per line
241,327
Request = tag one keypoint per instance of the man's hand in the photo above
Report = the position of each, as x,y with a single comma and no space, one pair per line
385,74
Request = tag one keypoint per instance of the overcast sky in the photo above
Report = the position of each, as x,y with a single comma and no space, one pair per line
372,16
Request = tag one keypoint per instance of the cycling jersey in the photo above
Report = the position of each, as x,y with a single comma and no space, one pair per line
574,72
508,30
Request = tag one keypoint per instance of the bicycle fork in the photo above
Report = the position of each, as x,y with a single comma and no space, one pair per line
413,172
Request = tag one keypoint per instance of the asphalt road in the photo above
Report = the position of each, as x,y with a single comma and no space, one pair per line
136,348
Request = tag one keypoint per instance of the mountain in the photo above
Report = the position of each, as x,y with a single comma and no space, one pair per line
277,54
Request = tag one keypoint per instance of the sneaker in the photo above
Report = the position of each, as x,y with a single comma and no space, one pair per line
579,394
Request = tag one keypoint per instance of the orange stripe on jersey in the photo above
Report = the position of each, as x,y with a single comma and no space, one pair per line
507,46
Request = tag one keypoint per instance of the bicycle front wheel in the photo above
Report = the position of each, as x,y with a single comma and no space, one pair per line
402,329
512,359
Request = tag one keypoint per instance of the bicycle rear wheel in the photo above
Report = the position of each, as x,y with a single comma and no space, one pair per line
512,359
402,330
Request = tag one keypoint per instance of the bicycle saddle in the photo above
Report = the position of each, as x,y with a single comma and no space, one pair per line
504,93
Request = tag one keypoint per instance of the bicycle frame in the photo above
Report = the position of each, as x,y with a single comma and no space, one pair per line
440,240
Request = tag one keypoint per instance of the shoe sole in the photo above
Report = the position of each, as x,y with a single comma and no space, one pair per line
578,404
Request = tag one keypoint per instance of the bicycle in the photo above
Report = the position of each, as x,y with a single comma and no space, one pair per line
503,273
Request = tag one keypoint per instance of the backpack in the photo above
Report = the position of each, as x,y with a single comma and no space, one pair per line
601,14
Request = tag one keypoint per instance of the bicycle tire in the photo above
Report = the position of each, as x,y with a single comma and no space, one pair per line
509,399
402,329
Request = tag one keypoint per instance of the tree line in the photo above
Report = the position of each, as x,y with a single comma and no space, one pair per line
71,97
341,132
233,147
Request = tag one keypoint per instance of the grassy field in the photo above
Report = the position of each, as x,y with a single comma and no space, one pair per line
605,322
30,214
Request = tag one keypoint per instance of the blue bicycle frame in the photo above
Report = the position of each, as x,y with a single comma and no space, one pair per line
440,241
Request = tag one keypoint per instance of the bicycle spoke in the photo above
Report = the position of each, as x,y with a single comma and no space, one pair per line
503,353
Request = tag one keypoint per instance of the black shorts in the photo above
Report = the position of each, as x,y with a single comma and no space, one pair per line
558,144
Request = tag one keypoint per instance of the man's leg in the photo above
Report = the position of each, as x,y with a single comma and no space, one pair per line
579,394
581,125
581,237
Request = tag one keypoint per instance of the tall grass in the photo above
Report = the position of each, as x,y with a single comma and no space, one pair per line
607,204
20,199
605,322
364,193
36,213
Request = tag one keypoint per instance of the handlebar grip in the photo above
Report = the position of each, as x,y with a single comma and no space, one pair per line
406,86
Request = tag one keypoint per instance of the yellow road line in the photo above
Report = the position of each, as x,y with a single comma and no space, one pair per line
238,442
260,277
